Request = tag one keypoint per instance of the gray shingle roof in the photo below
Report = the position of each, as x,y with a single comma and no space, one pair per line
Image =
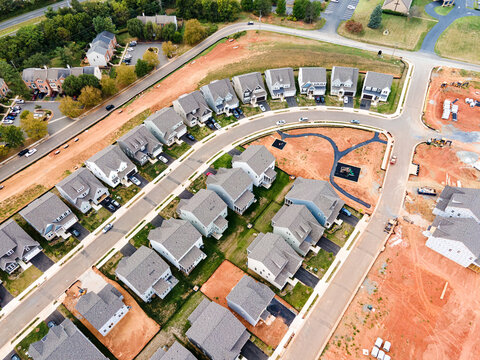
177,236
345,74
217,331
220,89
464,230
205,205
13,237
77,183
250,81
378,80
175,352
194,101
282,76
252,296
407,3
97,309
466,198
165,120
233,181
313,74
142,269
158,19
140,141
257,157
110,158
64,341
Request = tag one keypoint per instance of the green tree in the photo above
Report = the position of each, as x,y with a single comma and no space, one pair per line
34,128
103,24
142,68
151,58
281,8
247,5
90,96
168,49
13,136
13,79
125,75
70,107
135,28
177,37
149,31
120,13
37,60
263,7
194,32
108,86
299,7
375,18
73,85
168,32
24,114
312,11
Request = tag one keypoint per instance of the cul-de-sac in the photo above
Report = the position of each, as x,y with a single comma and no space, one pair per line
239,179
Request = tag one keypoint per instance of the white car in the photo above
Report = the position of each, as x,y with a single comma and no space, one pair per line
281,122
130,49
303,119
351,7
19,101
135,181
7,122
107,228
128,56
30,152
262,107
163,159
345,100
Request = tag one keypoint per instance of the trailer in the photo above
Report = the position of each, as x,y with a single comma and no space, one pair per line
454,112
446,110
427,191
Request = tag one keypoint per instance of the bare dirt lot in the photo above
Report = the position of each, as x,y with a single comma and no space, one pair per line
468,117
312,157
219,286
130,335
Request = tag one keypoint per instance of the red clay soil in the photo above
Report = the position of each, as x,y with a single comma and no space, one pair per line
409,311
312,157
130,335
219,286
468,117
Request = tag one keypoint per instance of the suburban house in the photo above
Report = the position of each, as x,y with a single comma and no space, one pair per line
343,81
312,81
250,300
258,163
319,197
250,88
146,274
179,242
111,166
166,125
161,20
459,203
216,331
192,108
206,211
175,352
15,245
102,49
3,88
103,310
220,96
234,186
81,189
273,259
398,6
49,216
376,86
64,341
296,224
280,83
456,238
140,145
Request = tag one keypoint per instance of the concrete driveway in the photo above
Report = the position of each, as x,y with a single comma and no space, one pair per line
277,309
42,262
139,50
306,277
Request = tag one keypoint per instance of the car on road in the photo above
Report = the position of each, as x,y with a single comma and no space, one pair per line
393,160
107,228
109,107
135,181
132,43
23,152
163,159
303,119
334,1
19,101
8,122
250,23
75,233
56,152
280,122
351,7
30,152
355,121
262,107
51,324
345,100
190,137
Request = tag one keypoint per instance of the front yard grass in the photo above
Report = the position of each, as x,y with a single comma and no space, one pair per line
20,279
199,183
200,132
319,263
124,193
150,171
141,237
170,210
176,150
249,110
225,120
339,234
460,40
35,335
93,219
224,161
298,296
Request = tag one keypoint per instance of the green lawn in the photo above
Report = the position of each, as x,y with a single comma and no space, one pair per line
93,219
443,10
176,150
198,184
200,132
224,161
263,222
249,110
339,234
37,334
150,171
171,209
403,32
298,296
393,99
460,40
123,193
141,237
225,120
124,38
20,279
319,263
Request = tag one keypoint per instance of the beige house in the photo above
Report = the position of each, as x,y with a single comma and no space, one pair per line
399,6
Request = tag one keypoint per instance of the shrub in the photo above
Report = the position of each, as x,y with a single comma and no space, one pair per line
354,27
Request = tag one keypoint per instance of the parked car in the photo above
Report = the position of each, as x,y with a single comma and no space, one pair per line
51,324
217,125
8,122
15,357
19,101
16,107
210,125
262,107
355,121
75,233
163,159
190,137
30,152
135,181
128,56
345,211
250,23
130,49
107,228
76,139
23,152
345,100
235,113
240,111
127,61
56,152
208,173
109,107
111,207
280,122
351,7
10,117
116,203
132,43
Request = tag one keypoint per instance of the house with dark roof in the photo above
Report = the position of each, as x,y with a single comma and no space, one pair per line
206,211
174,352
102,49
15,245
250,88
250,299
103,310
220,96
343,81
398,6
82,189
140,145
179,242
258,163
192,108
458,202
234,187
3,88
319,197
50,216
216,331
64,341
166,125
161,20
377,86
312,81
296,224
111,166
273,259
280,83
146,274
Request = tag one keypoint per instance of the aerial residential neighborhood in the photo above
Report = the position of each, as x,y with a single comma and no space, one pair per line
239,180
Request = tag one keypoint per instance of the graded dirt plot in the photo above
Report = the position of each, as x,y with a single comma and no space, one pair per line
219,286
405,287
131,334
468,117
312,157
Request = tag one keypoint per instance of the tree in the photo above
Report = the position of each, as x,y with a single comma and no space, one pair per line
354,27
125,75
151,58
13,79
247,5
178,37
281,8
263,7
120,13
37,60
142,68
70,107
103,24
149,31
168,49
299,7
24,114
375,18
13,136
108,86
312,11
194,32
168,31
73,85
135,28
34,128
90,96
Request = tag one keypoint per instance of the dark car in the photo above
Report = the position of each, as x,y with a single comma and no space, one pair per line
10,117
236,114
15,357
240,111
210,125
110,107
190,137
23,152
75,233
250,23
51,324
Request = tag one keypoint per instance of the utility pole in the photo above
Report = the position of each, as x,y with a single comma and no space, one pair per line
14,65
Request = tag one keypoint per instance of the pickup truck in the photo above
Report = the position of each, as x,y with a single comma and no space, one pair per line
390,225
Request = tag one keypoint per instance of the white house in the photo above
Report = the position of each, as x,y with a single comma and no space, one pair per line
220,96
192,108
377,86
166,125
258,163
458,202
312,81
343,81
280,83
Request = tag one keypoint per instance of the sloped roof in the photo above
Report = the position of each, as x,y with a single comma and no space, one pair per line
233,181
299,221
250,81
78,182
313,74
110,158
406,3
137,138
13,237
205,205
193,101
158,19
464,230
257,157
466,198
378,80
165,120
281,76
345,74
175,352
